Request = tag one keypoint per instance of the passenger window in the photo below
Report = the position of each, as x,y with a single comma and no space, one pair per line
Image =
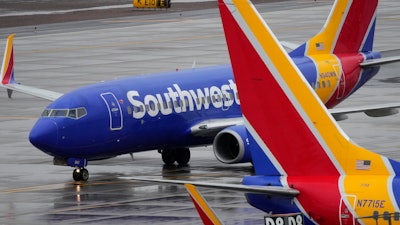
323,84
129,109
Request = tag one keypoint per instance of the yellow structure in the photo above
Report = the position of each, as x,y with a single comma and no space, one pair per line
151,3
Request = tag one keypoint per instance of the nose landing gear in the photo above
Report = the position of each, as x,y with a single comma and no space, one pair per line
80,174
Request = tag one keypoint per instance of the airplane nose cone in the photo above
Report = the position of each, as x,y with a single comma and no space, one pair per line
44,135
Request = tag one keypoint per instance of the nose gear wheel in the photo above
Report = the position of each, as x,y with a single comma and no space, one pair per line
80,174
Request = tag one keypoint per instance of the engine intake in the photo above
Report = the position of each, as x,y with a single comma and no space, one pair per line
231,145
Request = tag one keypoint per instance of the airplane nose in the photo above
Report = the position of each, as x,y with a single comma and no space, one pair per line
44,134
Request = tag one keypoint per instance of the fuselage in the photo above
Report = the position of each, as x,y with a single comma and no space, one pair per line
156,111
363,199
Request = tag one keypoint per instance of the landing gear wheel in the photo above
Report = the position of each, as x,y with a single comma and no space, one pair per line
76,174
182,156
168,156
84,174
80,174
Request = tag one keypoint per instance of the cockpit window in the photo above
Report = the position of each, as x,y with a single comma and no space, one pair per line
81,112
46,112
59,112
72,113
76,113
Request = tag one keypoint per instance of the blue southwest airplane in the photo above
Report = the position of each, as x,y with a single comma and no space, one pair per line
177,110
307,170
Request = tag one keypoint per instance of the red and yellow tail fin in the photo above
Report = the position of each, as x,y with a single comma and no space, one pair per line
292,127
350,28
207,215
281,111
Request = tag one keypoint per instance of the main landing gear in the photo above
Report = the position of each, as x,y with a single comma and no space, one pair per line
80,174
180,155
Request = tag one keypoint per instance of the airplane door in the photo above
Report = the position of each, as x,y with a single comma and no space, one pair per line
345,214
114,110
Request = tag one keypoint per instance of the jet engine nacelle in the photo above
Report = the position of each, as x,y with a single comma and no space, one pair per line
231,145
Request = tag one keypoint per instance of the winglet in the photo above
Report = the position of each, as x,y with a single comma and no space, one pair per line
207,215
7,69
8,81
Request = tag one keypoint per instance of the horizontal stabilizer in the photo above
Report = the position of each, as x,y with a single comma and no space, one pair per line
269,190
378,110
380,61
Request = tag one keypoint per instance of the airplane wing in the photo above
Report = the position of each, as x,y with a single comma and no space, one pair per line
378,110
7,75
41,93
269,190
212,127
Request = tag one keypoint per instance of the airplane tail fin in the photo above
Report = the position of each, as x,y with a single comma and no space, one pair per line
7,69
349,28
282,113
207,215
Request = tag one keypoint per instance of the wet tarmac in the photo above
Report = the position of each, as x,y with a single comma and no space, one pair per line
64,56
